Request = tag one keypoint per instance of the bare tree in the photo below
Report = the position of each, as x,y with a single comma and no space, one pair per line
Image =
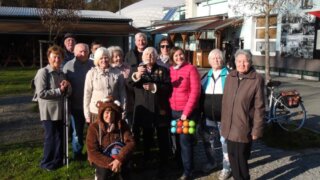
56,14
264,8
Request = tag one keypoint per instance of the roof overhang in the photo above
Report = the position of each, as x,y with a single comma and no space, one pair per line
88,28
198,26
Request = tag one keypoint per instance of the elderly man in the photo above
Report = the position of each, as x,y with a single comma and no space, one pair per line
151,84
211,98
134,57
69,42
76,71
242,113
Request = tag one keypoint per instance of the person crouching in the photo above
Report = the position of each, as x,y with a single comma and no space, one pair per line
109,141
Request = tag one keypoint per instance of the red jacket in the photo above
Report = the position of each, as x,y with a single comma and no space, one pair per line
186,88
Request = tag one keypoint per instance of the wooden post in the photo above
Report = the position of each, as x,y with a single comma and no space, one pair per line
184,39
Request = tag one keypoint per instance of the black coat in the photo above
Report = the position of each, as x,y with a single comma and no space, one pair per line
152,109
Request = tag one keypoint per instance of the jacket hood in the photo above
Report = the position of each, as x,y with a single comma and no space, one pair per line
114,105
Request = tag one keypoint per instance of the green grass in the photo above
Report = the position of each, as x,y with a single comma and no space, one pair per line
16,80
274,136
21,161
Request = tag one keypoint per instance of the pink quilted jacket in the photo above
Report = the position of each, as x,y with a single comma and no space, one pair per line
186,88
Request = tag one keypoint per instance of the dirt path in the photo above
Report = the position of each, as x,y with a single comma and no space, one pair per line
19,121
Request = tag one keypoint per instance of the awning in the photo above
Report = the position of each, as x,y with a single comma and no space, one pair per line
221,24
190,27
315,13
197,26
164,29
35,27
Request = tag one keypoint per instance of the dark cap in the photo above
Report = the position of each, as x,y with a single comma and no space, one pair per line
69,35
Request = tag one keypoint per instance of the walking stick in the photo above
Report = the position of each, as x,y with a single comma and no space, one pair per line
66,132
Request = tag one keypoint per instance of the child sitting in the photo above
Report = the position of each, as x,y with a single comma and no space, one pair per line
109,141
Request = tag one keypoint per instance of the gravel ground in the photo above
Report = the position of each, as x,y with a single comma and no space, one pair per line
19,122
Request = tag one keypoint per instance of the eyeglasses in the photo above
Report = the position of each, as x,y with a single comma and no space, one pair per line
165,46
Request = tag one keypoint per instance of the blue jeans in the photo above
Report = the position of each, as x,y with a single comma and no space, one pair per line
215,128
186,145
77,125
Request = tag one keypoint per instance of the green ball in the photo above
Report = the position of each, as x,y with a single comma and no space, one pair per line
192,123
192,130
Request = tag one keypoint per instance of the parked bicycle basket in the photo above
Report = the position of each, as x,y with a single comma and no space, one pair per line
291,98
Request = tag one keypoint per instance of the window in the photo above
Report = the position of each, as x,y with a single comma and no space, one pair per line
259,41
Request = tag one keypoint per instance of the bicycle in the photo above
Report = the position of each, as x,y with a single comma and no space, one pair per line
289,116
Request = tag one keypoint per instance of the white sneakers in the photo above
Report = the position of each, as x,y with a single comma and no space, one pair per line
224,174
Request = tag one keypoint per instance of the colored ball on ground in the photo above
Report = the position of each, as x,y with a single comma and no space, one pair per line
192,130
179,123
173,130
179,130
185,123
192,123
173,123
185,130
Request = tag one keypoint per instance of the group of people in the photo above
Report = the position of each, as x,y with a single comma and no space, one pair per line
126,100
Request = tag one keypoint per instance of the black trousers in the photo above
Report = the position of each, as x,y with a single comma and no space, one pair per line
239,154
148,141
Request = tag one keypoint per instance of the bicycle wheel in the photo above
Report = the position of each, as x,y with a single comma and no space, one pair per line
289,119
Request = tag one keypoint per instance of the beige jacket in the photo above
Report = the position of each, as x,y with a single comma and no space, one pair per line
100,84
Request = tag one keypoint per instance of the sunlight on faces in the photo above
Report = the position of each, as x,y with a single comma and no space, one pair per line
216,62
55,60
108,116
69,43
140,43
103,62
242,64
81,52
148,57
117,59
178,57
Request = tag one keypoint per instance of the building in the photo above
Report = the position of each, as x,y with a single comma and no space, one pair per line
294,41
22,33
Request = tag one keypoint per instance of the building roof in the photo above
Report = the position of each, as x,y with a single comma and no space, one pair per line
144,12
24,20
28,12
197,25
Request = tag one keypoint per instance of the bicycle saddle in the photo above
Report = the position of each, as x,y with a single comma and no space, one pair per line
274,84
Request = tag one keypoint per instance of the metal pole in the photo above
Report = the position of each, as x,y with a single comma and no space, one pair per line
66,132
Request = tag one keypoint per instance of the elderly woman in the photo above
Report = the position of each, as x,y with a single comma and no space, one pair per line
109,141
151,84
185,81
165,45
211,98
102,81
242,113
51,87
117,62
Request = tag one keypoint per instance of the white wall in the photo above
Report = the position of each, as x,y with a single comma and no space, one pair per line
218,7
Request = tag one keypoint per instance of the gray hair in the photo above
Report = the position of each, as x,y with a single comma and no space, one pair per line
154,52
244,52
101,51
218,52
140,35
113,49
